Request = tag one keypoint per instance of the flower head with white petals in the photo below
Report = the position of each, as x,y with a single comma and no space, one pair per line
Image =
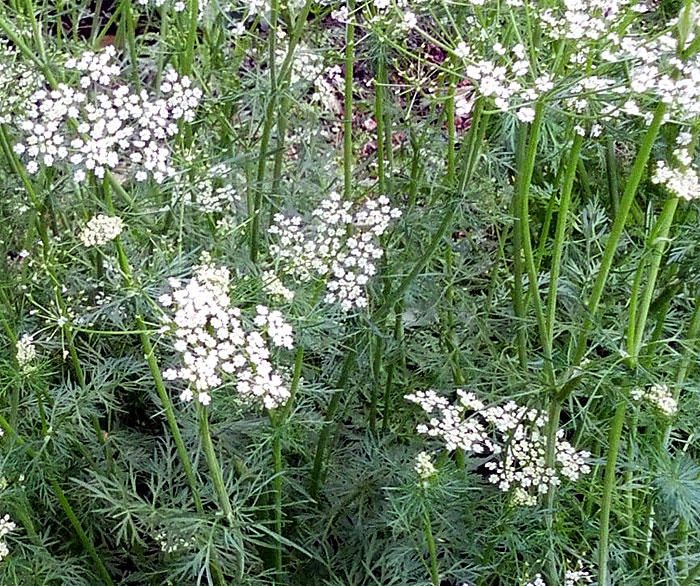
216,341
512,434
339,244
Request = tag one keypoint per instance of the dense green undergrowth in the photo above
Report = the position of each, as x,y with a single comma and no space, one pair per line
349,293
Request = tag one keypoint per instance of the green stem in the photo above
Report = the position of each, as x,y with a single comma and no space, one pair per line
432,552
658,241
188,57
131,44
379,118
400,361
77,527
450,111
347,122
560,237
169,411
277,486
608,489
525,169
214,466
325,432
617,228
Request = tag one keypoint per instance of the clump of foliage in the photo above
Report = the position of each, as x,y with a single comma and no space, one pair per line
349,293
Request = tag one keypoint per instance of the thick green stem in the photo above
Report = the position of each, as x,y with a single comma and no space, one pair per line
169,412
214,466
188,57
379,119
658,242
450,111
616,231
608,490
526,166
432,552
347,122
560,237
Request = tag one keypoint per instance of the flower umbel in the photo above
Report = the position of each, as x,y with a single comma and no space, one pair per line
514,435
215,340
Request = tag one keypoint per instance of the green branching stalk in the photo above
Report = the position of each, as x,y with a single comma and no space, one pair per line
608,491
213,463
658,240
618,226
153,365
348,112
550,317
526,166
560,237
278,82
432,551
169,412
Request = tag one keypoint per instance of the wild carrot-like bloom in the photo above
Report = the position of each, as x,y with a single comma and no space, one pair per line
101,229
26,352
215,340
658,395
574,577
682,180
100,124
6,526
424,467
514,435
339,244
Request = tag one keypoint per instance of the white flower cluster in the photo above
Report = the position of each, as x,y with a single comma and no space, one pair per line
424,466
215,341
659,395
26,352
397,17
173,544
514,435
571,577
101,229
583,19
103,125
309,71
6,526
683,180
18,81
607,43
275,288
578,576
338,244
211,193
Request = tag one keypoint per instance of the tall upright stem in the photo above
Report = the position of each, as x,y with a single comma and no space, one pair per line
608,490
213,463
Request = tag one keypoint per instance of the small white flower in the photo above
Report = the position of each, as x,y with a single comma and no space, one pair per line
101,229
26,352
526,114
